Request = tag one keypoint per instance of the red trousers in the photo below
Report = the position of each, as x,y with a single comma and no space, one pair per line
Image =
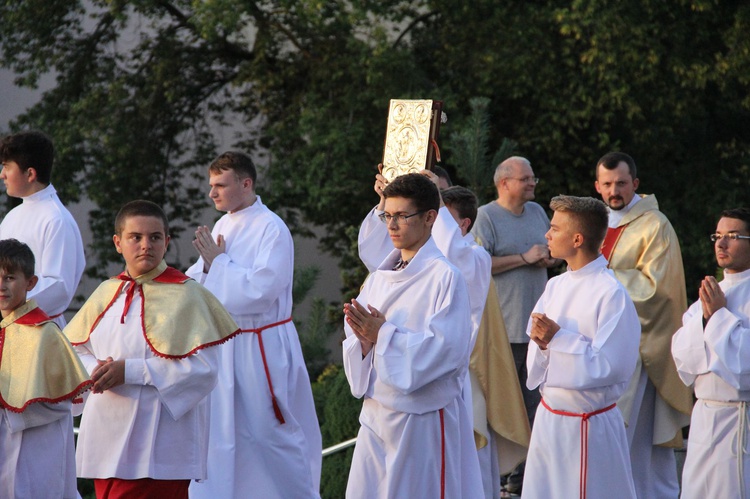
142,488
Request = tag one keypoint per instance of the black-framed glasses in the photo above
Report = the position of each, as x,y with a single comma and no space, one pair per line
733,236
386,218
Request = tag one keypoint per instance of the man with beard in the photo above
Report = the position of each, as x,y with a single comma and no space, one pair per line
644,253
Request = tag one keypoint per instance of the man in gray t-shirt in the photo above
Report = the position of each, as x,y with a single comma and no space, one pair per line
512,230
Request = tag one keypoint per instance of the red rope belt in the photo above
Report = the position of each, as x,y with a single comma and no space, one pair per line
442,454
258,331
585,416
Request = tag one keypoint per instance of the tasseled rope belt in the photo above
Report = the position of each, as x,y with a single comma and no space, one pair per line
585,416
258,331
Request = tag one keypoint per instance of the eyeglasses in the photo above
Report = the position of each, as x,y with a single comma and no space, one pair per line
732,236
525,180
386,218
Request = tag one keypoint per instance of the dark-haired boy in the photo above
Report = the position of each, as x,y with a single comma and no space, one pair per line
584,334
497,452
39,376
407,351
265,435
145,337
41,221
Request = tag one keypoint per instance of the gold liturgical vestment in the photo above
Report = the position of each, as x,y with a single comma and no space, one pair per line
179,316
646,259
493,367
37,364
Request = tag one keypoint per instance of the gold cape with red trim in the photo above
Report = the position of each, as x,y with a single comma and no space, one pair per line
493,367
647,260
178,315
37,363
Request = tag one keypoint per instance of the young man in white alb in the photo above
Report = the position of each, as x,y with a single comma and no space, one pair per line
584,334
265,439
712,354
407,352
41,221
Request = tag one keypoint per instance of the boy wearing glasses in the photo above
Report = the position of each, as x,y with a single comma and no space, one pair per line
713,355
407,351
502,435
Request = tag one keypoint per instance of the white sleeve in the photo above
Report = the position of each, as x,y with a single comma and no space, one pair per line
689,349
87,357
196,271
37,414
180,383
408,360
578,362
356,368
727,334
537,360
474,262
57,268
373,242
254,289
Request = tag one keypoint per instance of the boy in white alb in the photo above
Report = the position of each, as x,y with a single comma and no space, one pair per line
39,376
585,333
456,216
148,337
265,439
41,221
712,354
407,352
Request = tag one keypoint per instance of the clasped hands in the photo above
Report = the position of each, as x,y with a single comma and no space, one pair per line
365,323
108,374
207,247
543,329
711,296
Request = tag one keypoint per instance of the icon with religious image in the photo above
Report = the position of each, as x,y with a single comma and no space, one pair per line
411,136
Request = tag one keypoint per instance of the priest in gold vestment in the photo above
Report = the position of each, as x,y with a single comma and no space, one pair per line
644,253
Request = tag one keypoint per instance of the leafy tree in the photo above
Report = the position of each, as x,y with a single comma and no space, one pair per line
471,151
305,85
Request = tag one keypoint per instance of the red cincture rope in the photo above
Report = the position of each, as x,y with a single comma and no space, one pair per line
258,331
442,454
585,416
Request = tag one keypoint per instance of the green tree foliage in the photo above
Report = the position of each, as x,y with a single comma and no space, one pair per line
305,85
471,151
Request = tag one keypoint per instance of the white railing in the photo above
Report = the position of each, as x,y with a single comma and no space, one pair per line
326,452
339,447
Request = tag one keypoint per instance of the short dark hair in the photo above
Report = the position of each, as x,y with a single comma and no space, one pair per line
463,201
140,208
238,162
30,149
15,255
611,160
442,173
739,214
416,187
591,215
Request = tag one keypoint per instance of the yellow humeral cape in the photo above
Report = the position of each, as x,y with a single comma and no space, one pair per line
646,259
178,315
37,363
492,365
